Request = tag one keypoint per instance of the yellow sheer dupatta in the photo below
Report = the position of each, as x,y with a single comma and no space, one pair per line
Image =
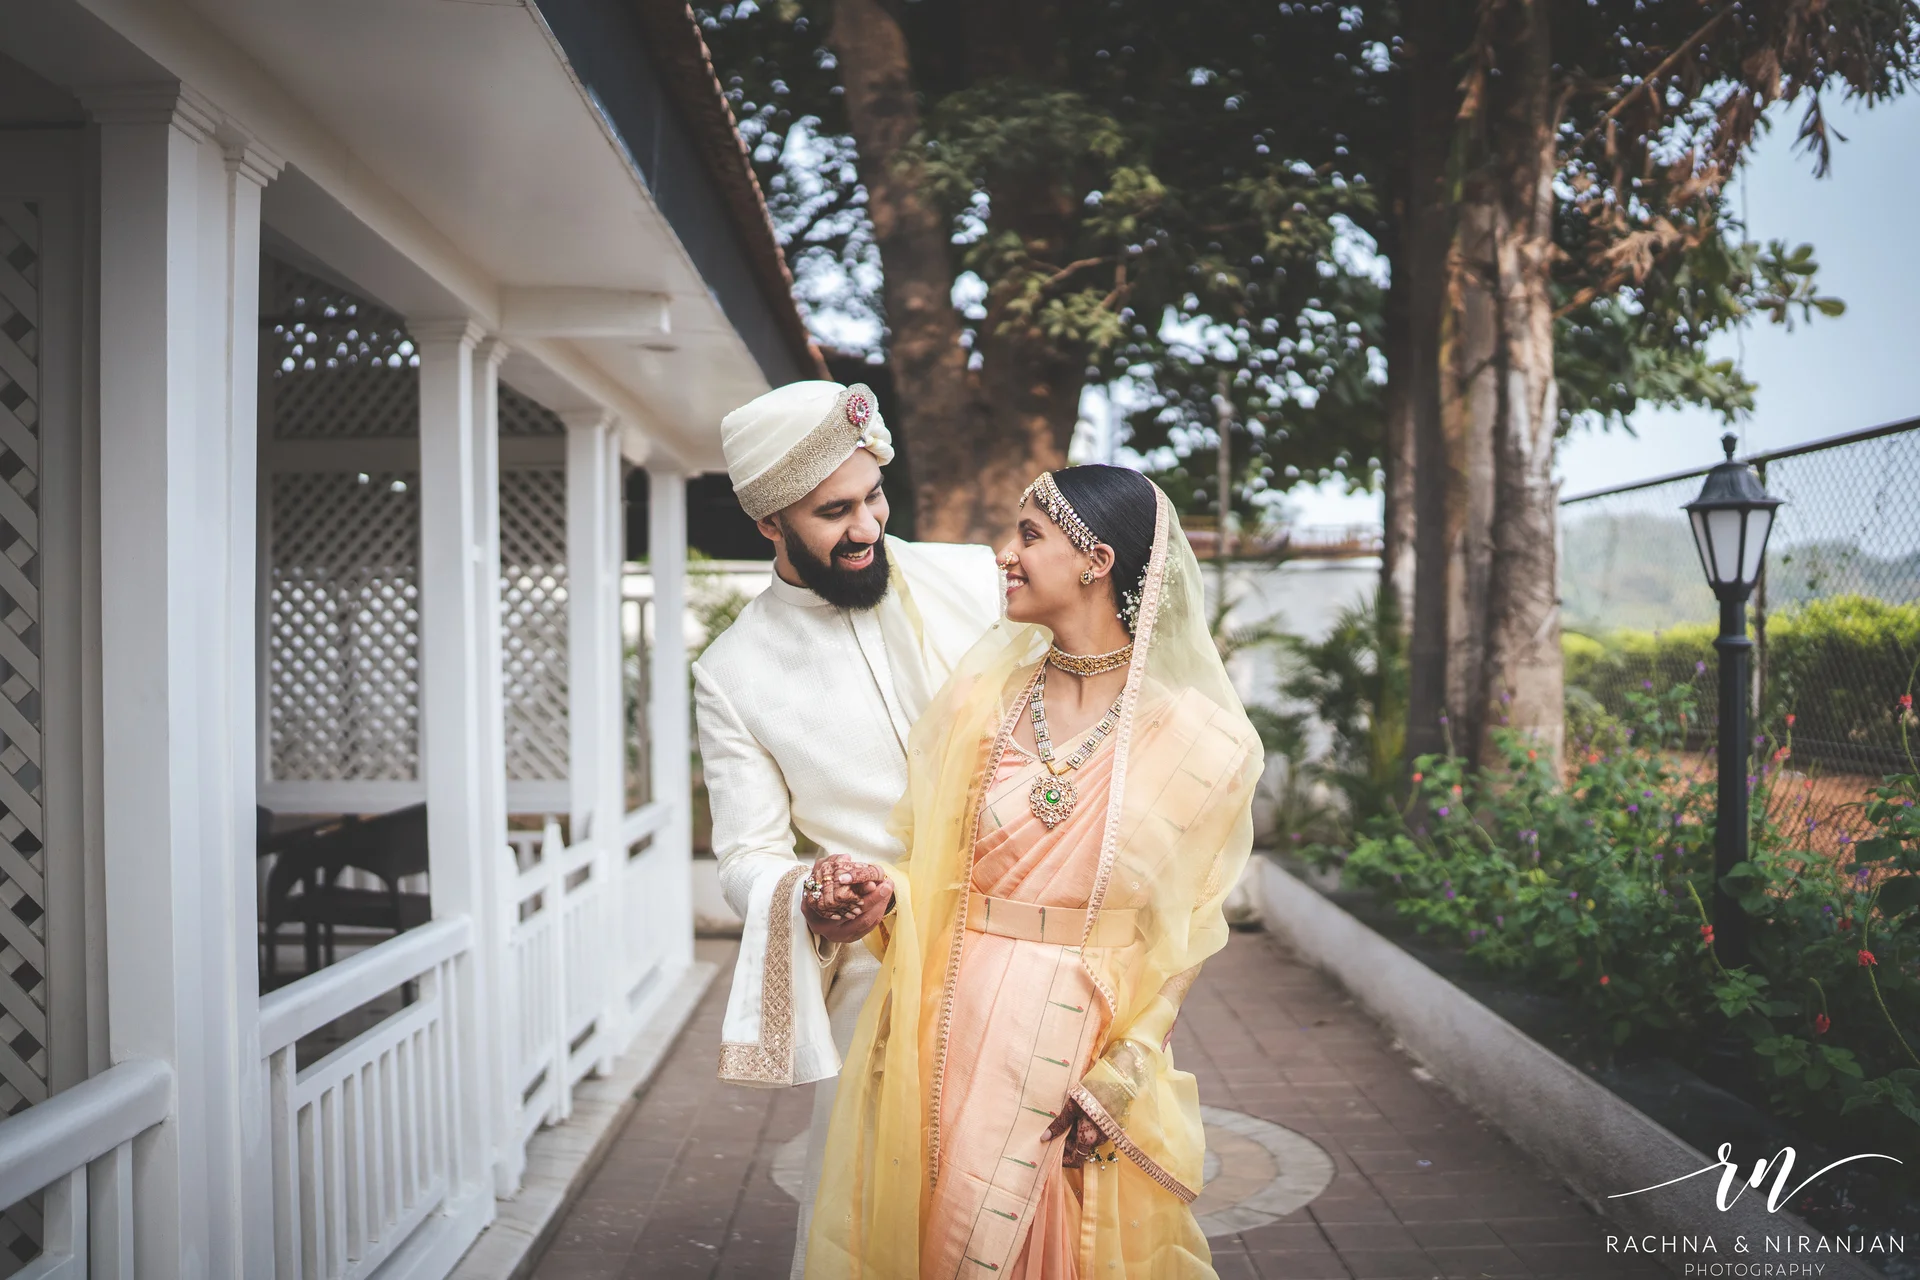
1178,828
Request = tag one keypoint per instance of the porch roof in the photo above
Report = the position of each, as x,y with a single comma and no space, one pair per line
452,159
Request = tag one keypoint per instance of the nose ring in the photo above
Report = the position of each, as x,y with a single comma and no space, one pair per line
1006,561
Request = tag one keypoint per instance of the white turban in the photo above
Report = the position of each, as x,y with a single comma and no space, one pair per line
781,445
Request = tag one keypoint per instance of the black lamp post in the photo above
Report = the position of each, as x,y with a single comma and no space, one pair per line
1731,520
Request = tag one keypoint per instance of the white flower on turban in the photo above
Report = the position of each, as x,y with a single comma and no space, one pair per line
780,446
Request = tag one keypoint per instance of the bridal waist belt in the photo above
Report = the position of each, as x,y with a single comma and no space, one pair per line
1031,922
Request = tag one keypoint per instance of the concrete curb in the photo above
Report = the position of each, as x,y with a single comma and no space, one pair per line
1597,1143
562,1158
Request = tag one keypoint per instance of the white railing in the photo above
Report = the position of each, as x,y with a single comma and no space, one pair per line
367,1140
78,1147
582,949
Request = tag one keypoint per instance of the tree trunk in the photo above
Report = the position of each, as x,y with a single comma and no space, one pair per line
996,426
923,345
1426,234
1469,404
1397,466
1521,684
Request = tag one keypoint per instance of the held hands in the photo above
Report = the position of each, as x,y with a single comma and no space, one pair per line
1083,1135
843,899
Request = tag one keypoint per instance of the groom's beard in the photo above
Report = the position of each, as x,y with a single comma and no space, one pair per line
845,588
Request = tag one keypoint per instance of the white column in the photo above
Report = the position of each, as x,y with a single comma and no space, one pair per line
465,814
509,1155
593,627
250,169
669,715
179,246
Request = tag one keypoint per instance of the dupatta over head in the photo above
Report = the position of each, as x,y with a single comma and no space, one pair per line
1178,829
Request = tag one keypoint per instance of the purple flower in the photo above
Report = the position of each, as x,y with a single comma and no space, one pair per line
1659,857
1864,874
1700,668
1646,684
1396,877
1663,893
1828,910
1449,895
1443,719
1444,811
1500,920
1574,896
1536,855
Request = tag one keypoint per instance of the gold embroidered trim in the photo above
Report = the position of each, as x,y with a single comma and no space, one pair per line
1118,1137
818,454
975,798
770,1060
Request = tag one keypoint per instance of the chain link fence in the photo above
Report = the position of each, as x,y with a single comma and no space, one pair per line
1836,616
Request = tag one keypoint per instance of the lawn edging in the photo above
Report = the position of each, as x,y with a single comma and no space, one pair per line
1599,1144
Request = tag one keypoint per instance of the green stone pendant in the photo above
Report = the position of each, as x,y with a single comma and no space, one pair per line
1051,799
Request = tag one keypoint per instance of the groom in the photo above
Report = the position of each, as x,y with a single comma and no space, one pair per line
804,705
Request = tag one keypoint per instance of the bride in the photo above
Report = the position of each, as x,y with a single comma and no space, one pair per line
1079,808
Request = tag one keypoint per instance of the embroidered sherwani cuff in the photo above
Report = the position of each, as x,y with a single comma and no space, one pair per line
777,1031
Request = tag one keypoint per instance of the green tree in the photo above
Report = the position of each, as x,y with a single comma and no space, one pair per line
1567,250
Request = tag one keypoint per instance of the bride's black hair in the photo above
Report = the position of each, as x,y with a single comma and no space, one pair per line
1118,505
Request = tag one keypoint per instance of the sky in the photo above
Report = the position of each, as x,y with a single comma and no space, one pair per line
1824,378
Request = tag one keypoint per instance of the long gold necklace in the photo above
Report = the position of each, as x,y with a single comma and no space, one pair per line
1090,664
1053,794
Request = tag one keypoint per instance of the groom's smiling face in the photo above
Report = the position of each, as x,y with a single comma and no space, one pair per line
830,539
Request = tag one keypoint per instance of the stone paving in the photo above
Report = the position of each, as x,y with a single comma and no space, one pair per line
1333,1156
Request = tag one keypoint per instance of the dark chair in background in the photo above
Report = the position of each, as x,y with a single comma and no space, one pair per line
388,846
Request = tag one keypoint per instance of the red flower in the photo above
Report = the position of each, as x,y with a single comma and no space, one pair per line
1846,922
1866,958
1456,788
1906,702
1603,979
1820,1024
1533,755
1789,719
1781,754
1706,932
1416,777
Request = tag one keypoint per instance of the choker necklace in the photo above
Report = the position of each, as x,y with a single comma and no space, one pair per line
1090,664
1053,794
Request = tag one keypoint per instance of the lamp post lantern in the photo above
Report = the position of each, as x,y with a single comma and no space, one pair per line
1731,520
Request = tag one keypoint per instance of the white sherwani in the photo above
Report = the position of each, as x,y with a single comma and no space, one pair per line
804,711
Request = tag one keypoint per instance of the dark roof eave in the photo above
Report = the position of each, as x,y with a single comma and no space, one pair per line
686,67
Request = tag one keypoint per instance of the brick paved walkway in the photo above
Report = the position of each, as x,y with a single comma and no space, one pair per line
1419,1187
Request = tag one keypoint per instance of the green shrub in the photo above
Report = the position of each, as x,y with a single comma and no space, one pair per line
1594,891
1838,664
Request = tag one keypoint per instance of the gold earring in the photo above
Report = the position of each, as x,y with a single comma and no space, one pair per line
1086,576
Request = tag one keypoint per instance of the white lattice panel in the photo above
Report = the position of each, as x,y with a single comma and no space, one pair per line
533,615
23,863
343,631
523,416
341,366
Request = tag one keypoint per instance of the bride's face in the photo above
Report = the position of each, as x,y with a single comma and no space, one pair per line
1043,570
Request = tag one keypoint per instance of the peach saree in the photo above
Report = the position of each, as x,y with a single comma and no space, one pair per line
1030,1019
1021,968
